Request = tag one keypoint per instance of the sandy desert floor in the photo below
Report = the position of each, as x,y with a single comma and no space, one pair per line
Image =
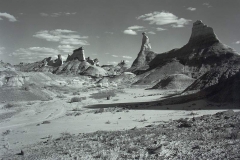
29,122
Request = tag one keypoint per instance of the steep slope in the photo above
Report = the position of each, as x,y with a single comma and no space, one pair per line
225,91
145,55
142,61
203,54
175,81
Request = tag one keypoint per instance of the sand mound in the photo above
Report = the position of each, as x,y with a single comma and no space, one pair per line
94,71
124,78
175,81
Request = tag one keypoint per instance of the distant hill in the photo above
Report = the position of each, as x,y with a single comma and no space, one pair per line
73,67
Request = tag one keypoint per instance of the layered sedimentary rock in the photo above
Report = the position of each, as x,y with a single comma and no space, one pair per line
203,55
144,56
55,63
174,82
77,54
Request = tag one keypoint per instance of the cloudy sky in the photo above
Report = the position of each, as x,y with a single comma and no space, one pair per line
109,30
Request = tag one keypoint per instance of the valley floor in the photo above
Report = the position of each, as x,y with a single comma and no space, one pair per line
24,124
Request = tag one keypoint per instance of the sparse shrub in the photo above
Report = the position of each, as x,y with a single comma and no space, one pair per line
85,83
46,122
84,98
142,120
30,103
106,93
11,105
76,93
84,90
61,96
26,88
108,122
7,132
76,109
76,99
101,110
66,92
99,85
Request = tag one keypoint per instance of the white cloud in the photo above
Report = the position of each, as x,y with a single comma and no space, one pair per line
10,17
70,13
160,29
47,36
127,57
164,18
64,31
113,62
74,41
42,49
136,27
57,14
114,55
66,48
129,31
151,32
44,14
63,36
207,5
34,53
1,49
132,30
107,53
109,32
191,9
238,42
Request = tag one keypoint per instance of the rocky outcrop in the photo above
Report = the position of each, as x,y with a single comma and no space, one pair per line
202,35
144,56
116,69
225,91
203,54
6,66
14,81
55,63
77,54
94,71
175,81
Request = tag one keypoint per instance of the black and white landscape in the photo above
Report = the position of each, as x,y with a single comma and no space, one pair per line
119,79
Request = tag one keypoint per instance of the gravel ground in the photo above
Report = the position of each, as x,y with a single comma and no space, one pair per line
206,137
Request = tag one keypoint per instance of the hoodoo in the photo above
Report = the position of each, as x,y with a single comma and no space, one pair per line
145,55
77,54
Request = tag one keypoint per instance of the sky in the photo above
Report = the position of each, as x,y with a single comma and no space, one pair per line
110,30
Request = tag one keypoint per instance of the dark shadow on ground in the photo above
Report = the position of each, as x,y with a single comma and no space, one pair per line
172,103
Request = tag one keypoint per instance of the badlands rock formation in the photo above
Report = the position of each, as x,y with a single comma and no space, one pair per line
175,81
57,62
204,58
144,56
225,91
76,64
116,69
77,54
